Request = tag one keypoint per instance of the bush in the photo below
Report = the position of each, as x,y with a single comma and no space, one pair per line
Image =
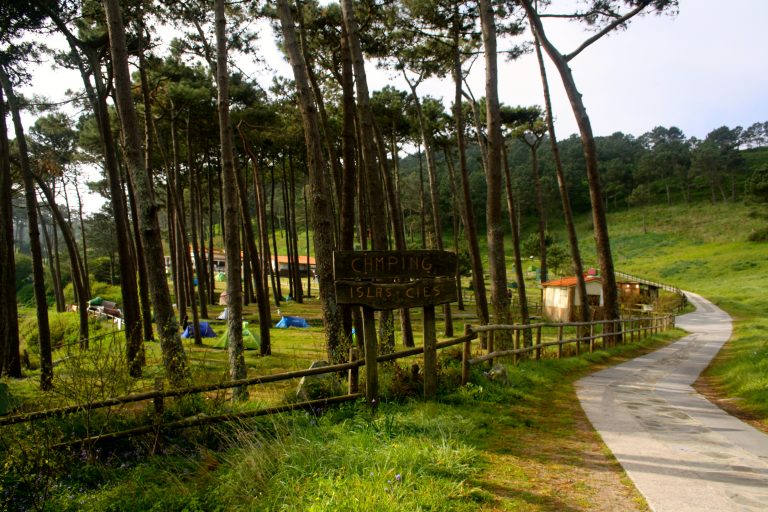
102,270
65,329
759,235
23,271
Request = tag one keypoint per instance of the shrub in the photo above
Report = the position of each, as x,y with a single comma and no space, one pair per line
65,329
759,235
104,271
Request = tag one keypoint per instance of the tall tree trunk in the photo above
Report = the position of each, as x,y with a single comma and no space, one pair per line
321,210
293,231
38,282
174,358
276,281
426,138
374,189
397,228
262,299
425,233
541,214
573,241
149,137
496,256
97,96
84,256
522,298
261,216
602,241
455,220
69,240
348,149
237,368
194,213
177,204
10,362
211,269
334,169
58,295
467,212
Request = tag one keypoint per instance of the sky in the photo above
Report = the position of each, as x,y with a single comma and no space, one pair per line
698,70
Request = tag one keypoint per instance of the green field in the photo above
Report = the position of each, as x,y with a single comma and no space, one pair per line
519,444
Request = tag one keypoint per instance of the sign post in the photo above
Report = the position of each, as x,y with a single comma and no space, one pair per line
383,280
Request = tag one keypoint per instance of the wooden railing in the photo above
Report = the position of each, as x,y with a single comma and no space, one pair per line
592,333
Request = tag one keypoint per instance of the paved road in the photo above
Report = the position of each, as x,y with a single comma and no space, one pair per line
681,452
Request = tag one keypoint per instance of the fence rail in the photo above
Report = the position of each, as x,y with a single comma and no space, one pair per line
667,287
611,331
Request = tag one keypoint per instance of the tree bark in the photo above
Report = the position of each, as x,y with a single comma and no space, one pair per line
321,210
428,142
174,358
69,240
573,240
602,240
496,256
522,298
30,199
468,214
237,369
262,299
10,362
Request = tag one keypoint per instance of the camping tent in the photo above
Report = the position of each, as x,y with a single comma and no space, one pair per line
223,315
291,321
205,331
223,299
250,340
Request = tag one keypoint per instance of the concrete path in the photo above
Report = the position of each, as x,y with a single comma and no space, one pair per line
681,452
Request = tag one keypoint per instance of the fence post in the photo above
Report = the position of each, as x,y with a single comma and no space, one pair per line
560,341
591,338
631,330
159,407
158,400
371,368
490,346
465,354
623,325
516,345
538,343
430,353
579,330
354,373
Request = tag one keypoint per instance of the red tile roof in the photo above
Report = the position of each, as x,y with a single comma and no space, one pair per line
570,281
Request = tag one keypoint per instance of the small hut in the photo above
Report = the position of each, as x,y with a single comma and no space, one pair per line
635,294
560,300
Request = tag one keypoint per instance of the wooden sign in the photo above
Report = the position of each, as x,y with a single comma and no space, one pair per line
423,278
393,264
411,294
392,280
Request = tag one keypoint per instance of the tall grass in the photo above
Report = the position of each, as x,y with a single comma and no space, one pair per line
404,456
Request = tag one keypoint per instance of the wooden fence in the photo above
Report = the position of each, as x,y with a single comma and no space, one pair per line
599,333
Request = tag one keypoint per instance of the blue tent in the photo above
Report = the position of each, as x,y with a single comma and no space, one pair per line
205,331
291,321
